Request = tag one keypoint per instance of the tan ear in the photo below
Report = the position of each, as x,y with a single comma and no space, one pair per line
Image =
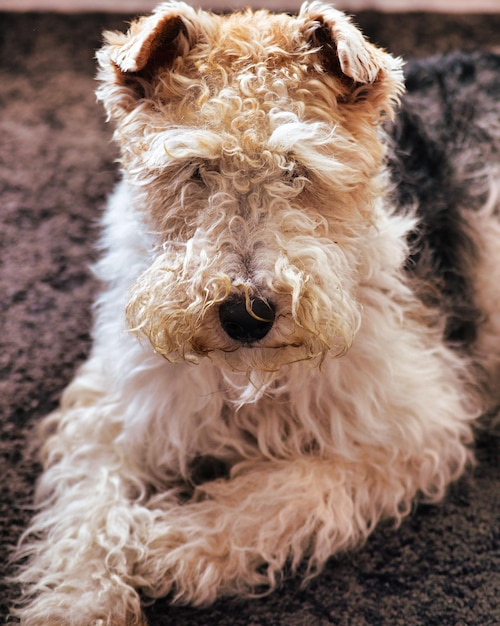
155,40
345,52
129,62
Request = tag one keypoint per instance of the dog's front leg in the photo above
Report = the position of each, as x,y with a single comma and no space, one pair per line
82,545
80,550
236,536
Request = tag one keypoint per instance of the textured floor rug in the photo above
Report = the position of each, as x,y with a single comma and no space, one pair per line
441,568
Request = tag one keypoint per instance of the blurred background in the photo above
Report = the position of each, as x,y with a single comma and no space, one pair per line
455,6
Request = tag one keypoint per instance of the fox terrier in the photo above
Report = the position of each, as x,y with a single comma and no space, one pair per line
299,324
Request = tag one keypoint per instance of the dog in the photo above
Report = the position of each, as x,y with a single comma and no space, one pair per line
299,323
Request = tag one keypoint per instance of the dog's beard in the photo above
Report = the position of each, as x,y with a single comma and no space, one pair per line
175,305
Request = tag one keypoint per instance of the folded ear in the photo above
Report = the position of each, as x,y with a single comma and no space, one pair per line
129,62
344,52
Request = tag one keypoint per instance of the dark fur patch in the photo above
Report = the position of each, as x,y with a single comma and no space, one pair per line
443,143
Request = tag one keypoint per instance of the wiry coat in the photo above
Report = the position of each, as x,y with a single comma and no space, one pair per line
185,460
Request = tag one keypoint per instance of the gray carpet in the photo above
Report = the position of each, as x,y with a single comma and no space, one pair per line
441,568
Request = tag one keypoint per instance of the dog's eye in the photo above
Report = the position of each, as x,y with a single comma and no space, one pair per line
196,174
295,174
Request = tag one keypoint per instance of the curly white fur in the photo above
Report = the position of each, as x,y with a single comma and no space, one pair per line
248,168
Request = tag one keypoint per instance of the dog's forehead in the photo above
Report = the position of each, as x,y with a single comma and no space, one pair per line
254,55
256,37
240,83
243,76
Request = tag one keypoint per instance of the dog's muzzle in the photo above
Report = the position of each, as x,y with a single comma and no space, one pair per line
246,319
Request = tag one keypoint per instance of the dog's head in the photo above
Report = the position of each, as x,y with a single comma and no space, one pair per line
250,142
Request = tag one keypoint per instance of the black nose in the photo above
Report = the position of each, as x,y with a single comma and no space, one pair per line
246,320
